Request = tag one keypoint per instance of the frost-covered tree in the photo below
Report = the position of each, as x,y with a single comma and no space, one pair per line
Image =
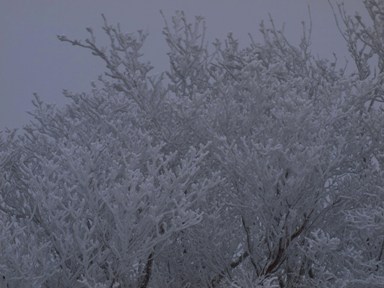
237,167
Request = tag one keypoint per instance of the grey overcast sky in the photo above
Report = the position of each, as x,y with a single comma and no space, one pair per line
33,60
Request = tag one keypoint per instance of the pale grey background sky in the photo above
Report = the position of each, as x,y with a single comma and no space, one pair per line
33,60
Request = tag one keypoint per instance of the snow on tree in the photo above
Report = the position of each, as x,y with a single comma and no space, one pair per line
237,167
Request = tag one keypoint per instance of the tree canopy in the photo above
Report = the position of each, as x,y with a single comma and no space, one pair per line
236,167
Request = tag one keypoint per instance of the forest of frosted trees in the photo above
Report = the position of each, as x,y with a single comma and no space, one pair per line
237,167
